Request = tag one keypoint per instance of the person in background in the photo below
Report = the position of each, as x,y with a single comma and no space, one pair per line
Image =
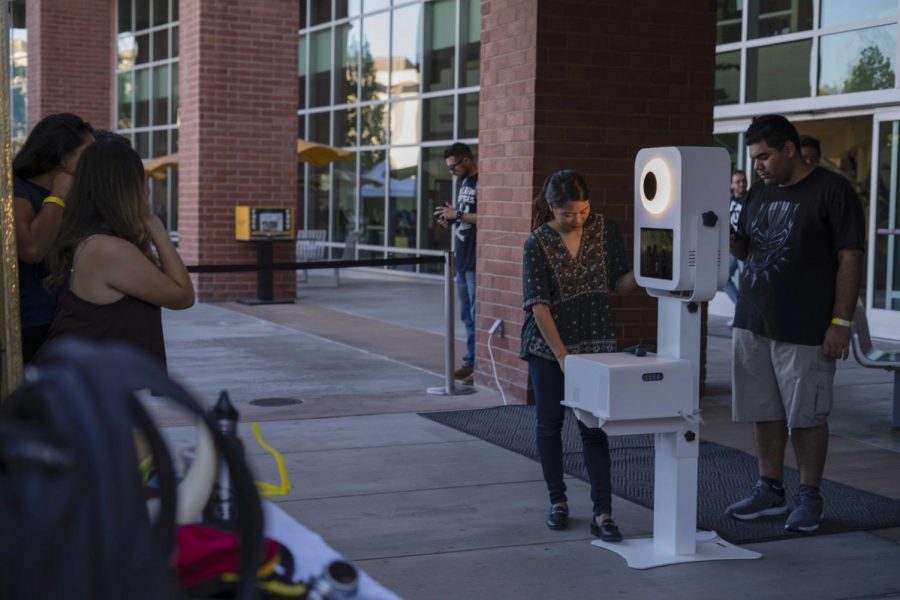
111,282
738,191
462,165
42,177
573,260
801,235
810,150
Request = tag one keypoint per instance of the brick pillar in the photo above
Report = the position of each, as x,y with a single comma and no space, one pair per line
237,139
63,34
581,84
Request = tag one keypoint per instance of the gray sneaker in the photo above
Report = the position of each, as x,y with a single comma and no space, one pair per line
808,513
761,502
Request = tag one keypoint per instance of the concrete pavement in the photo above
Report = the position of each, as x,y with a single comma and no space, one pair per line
434,513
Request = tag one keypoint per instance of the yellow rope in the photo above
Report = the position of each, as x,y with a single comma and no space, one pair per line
268,490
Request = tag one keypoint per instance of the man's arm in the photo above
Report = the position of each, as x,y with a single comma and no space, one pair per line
849,275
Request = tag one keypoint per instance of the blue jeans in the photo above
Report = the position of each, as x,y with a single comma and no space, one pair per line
549,387
734,266
465,291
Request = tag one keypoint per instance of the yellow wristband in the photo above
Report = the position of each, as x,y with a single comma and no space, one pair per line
54,200
841,322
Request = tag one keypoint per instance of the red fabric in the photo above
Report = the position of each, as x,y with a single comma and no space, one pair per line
206,552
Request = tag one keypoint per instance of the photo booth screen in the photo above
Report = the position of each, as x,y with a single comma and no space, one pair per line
657,248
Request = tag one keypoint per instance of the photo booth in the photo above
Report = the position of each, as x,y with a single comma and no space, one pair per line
680,257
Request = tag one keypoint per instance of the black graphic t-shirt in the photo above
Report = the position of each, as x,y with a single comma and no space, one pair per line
465,232
795,233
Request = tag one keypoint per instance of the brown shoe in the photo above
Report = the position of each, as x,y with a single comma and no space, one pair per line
470,380
463,372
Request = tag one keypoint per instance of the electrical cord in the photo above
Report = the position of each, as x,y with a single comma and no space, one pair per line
494,368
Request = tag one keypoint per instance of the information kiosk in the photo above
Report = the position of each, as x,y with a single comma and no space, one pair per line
681,258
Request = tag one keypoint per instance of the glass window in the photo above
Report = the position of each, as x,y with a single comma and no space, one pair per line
175,42
778,17
301,71
320,127
126,50
371,190
470,42
440,45
301,127
373,5
174,10
125,15
125,99
160,14
320,67
375,56
320,11
778,71
141,15
728,77
160,142
142,44
346,8
402,187
734,144
405,53
141,96
842,12
18,112
343,219
437,118
405,123
728,20
173,104
161,44
346,62
302,24
468,116
436,189
142,143
161,95
857,61
319,191
345,127
373,125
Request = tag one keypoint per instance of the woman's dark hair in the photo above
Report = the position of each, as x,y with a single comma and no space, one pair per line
49,143
107,197
559,188
774,130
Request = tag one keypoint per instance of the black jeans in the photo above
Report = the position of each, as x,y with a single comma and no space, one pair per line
549,388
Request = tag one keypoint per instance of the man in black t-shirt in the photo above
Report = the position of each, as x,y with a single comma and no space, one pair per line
801,235
462,165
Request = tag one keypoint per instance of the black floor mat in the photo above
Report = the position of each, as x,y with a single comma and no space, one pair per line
725,476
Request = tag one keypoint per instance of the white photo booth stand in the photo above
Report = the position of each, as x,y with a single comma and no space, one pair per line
681,258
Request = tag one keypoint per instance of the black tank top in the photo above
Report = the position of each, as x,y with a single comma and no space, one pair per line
128,319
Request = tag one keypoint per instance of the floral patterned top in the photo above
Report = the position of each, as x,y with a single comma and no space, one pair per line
576,289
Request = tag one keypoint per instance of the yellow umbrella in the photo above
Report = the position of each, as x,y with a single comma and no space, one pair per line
156,167
319,155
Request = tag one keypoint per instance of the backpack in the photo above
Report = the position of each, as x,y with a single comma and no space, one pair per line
73,515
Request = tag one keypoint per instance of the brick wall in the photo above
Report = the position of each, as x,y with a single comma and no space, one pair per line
580,84
63,34
237,141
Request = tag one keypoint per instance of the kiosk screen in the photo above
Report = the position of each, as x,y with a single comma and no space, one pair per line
656,253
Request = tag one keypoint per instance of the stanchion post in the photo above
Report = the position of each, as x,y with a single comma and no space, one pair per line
449,388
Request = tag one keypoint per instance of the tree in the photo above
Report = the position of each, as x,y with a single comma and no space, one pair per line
873,71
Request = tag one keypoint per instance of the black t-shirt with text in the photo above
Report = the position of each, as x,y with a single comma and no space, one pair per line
795,233
465,232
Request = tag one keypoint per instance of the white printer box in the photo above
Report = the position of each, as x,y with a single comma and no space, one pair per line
619,386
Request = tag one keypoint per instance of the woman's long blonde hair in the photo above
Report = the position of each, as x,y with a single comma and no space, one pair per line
107,197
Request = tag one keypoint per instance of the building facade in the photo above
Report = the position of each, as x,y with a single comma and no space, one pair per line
831,67
531,85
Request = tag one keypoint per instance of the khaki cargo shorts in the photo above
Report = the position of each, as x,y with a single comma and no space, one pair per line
778,381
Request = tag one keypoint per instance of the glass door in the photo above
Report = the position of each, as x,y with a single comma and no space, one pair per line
883,281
